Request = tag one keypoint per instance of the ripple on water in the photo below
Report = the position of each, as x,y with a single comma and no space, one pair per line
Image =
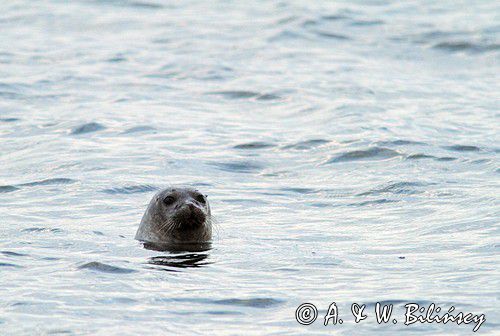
130,189
333,36
463,148
404,188
118,300
351,21
7,188
2,264
254,303
189,260
60,332
308,144
131,3
447,158
221,312
41,229
13,254
334,17
238,166
374,202
370,154
458,46
105,268
51,181
400,142
116,59
140,129
421,156
87,128
366,23
246,95
8,120
254,145
298,190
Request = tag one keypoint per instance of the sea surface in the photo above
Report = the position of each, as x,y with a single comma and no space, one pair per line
349,151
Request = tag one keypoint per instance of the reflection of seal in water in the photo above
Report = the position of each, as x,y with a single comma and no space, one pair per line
179,215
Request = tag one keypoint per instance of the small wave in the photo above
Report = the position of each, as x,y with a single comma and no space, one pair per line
366,23
13,254
10,95
41,229
374,202
285,35
308,144
480,161
246,95
320,205
238,167
374,153
146,5
400,142
87,128
51,181
339,17
134,4
167,75
406,188
222,312
299,190
117,300
190,260
2,264
457,46
9,119
420,156
116,59
334,17
7,188
130,189
254,303
446,158
105,268
254,145
463,148
139,129
332,35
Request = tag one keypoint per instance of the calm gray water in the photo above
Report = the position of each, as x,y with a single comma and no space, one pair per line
349,150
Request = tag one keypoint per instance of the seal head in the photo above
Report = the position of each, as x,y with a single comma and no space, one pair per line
176,215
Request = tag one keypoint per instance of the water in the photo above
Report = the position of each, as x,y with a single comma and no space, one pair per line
349,151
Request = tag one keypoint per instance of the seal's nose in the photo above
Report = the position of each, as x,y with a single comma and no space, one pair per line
189,215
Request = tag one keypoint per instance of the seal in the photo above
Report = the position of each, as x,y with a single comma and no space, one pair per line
176,216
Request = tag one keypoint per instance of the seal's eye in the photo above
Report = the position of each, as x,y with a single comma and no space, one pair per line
201,199
168,200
